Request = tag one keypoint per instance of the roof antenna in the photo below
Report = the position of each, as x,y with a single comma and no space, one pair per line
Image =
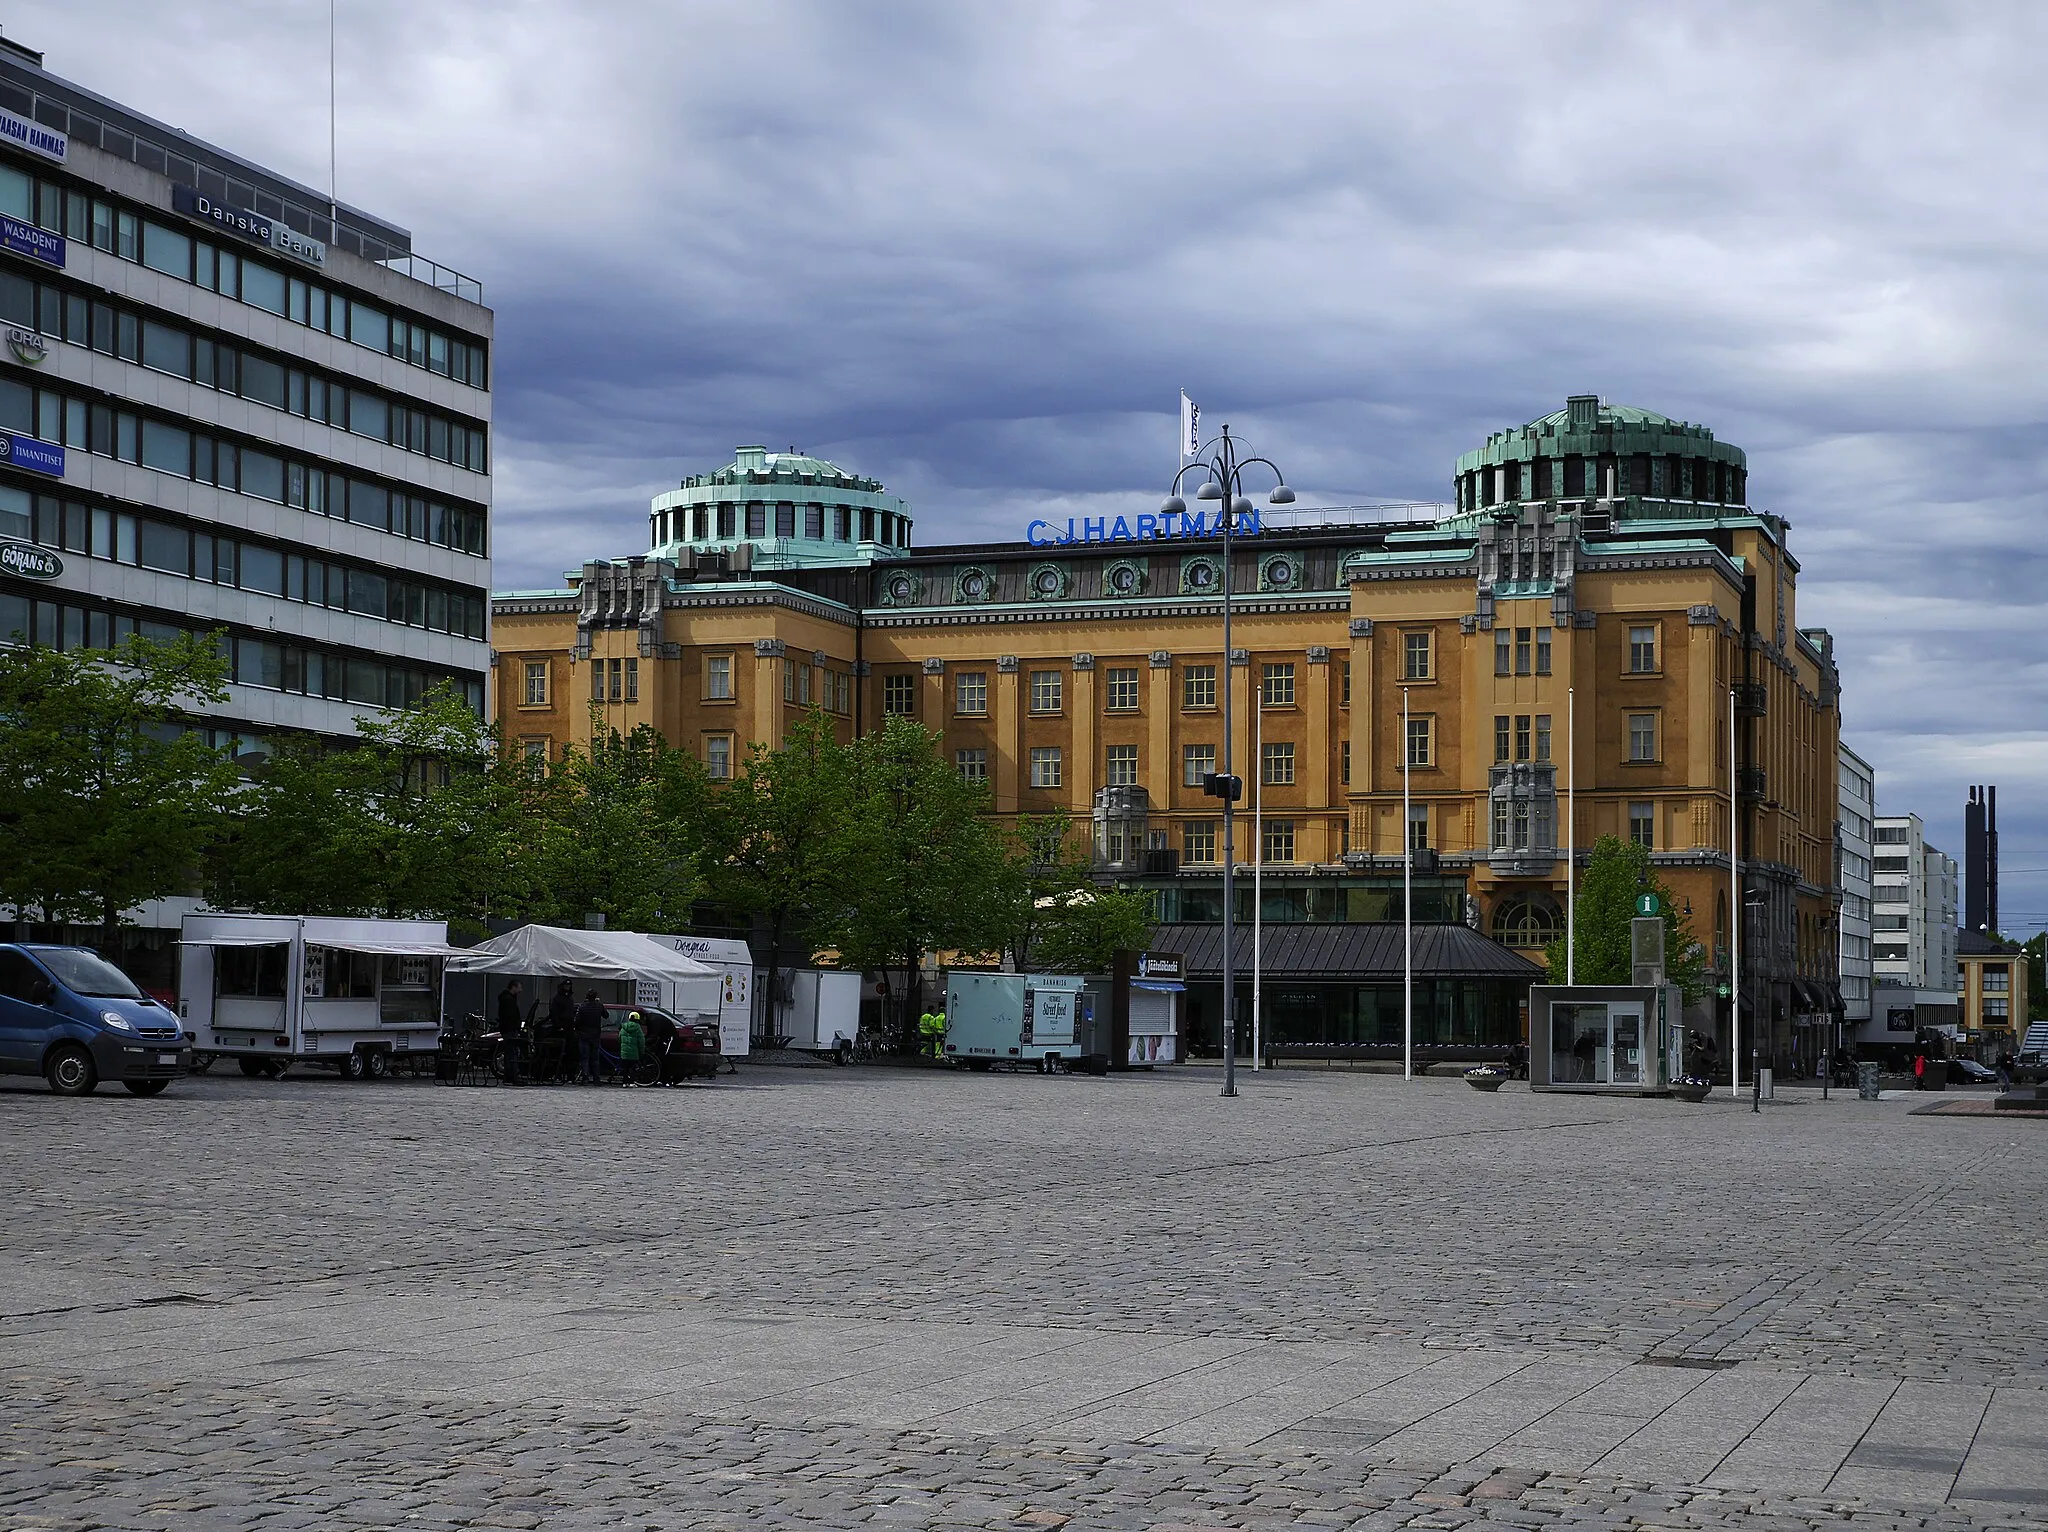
333,158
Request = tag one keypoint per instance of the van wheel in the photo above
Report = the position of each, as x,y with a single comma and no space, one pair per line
352,1066
377,1062
71,1071
253,1067
147,1087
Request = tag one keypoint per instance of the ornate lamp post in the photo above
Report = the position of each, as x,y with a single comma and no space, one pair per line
1223,481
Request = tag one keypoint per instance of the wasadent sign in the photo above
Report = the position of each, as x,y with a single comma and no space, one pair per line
35,456
27,239
244,224
29,561
34,137
1143,528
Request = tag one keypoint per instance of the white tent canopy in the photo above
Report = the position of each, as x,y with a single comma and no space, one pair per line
566,953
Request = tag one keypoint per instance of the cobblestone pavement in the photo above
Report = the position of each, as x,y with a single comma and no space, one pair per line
902,1297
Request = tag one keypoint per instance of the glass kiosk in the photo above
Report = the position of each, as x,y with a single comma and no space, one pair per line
1614,1039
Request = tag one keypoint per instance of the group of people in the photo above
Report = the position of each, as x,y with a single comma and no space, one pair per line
564,1044
931,1034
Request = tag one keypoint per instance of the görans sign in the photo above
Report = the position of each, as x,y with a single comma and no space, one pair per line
29,561
1141,528
244,224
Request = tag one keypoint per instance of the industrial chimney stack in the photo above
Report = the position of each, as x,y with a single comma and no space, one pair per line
1980,860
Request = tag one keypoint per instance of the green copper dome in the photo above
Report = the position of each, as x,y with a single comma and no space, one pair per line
757,465
1594,450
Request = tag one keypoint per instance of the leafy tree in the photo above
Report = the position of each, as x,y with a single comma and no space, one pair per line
107,799
2036,950
1617,874
1047,868
780,825
919,867
1086,929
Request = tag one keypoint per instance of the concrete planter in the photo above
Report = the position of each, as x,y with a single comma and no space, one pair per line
1486,1078
1694,1089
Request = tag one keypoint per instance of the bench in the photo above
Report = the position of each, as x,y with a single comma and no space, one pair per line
1426,1055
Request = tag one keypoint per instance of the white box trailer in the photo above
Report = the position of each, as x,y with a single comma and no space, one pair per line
275,990
822,1013
1013,1018
733,962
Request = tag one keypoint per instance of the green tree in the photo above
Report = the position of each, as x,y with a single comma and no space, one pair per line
2036,951
919,867
615,830
780,825
108,799
1086,929
1618,873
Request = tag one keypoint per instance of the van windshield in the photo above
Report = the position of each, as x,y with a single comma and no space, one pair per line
87,973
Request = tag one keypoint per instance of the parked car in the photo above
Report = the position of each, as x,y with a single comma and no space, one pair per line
1970,1072
694,1053
72,1017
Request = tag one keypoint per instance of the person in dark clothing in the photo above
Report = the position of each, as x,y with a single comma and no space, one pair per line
511,1030
562,1032
589,1024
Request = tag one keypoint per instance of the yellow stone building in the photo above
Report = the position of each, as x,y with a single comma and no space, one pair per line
1572,629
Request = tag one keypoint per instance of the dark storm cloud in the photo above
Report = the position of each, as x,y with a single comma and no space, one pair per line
976,250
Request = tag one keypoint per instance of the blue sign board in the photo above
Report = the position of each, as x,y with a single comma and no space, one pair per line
35,456
27,239
1132,529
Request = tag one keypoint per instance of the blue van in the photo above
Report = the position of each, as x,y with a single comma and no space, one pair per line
72,1017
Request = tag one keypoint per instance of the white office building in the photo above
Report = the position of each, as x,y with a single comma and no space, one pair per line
228,405
1912,907
1853,825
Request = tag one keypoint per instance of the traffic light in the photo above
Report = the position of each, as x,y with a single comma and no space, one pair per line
1217,785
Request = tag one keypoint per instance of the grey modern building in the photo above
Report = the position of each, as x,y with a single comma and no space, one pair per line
1857,787
227,404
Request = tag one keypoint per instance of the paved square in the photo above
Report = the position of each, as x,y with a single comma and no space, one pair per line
837,1297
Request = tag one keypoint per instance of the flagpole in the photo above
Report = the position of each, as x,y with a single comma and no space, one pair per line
1407,905
1259,858
1571,835
1734,917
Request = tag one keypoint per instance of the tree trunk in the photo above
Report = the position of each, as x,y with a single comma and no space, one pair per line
110,927
775,929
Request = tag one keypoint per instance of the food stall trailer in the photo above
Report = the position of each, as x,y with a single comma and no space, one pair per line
349,994
1013,1019
624,967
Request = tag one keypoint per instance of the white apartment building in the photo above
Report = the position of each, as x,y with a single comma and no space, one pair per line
1912,907
1856,810
230,406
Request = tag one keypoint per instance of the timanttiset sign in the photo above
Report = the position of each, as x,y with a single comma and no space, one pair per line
1141,528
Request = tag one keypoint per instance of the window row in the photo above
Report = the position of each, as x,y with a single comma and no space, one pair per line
817,522
108,227
1521,651
1046,690
230,370
1590,477
167,448
170,548
1521,737
261,662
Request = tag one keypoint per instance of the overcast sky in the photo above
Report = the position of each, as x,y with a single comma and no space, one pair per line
976,251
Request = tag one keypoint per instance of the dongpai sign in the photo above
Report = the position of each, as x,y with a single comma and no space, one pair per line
1147,527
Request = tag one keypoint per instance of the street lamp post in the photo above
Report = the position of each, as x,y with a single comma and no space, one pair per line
1224,482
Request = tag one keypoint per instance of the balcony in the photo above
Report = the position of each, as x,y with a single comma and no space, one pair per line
1161,863
1752,699
1749,782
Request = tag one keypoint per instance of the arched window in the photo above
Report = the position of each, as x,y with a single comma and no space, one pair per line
1527,920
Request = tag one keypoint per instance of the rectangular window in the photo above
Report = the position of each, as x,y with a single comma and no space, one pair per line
1121,693
970,692
1276,764
1521,736
1198,841
1642,736
1120,766
789,680
1997,979
1997,1008
1501,737
166,448
1196,762
615,690
1046,691
1276,687
1502,653
1418,827
1642,824
536,683
632,680
718,757
718,676
166,548
1542,736
1415,656
1642,651
899,696
1045,765
1198,686
1277,843
1522,651
972,765
1419,741
1543,651
1344,762
1345,699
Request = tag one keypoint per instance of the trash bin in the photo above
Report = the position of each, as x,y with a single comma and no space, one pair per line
1765,1086
1866,1081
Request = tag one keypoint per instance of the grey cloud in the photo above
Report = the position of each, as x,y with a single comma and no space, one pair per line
976,250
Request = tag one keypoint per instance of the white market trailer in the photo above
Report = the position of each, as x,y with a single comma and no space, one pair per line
822,1013
1012,1018
276,990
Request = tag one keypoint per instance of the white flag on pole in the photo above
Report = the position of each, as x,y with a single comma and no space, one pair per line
1190,427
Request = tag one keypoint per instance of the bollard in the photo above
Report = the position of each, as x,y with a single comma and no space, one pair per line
1866,1081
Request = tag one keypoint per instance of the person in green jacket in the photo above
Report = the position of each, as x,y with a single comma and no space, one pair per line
632,1044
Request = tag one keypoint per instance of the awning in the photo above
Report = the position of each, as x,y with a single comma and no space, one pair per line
236,941
565,953
398,947
1160,986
